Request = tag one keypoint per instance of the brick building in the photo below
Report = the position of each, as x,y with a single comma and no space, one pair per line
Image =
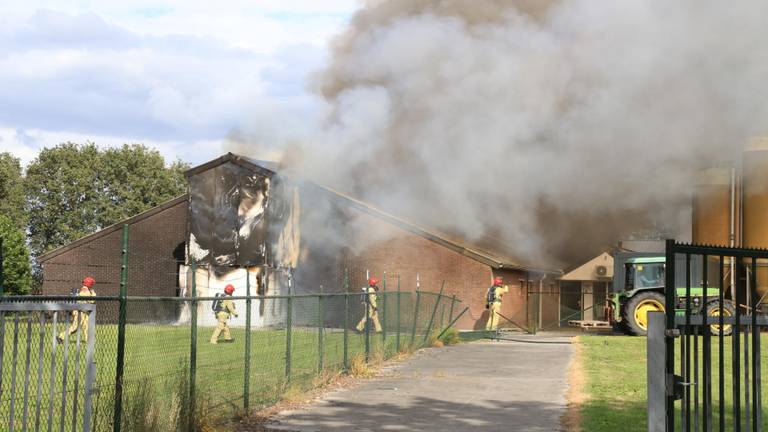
339,236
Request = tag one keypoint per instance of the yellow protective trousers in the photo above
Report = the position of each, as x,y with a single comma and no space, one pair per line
493,316
221,327
373,314
79,319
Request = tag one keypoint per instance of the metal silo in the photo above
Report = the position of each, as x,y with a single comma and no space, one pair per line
712,206
755,202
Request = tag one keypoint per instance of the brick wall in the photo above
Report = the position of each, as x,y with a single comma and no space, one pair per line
156,243
368,243
399,252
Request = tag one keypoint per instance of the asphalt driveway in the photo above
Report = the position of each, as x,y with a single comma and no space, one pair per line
486,386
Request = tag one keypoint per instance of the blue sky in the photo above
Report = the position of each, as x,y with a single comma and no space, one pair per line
178,75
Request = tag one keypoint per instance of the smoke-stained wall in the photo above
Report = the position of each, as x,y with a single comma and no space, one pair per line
227,206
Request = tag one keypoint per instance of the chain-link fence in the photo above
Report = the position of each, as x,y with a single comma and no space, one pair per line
156,365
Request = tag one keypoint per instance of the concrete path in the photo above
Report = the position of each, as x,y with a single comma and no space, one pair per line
485,386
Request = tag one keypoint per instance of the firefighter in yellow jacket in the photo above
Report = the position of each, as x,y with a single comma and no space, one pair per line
372,308
80,318
224,311
493,302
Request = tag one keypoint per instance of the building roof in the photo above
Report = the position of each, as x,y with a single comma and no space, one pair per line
648,260
589,271
266,167
493,259
112,228
497,261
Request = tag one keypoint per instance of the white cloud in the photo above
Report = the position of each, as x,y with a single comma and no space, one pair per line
26,143
175,74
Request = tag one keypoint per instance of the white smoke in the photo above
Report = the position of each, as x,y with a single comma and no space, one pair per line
542,128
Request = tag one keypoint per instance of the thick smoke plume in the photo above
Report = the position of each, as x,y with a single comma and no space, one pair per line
546,129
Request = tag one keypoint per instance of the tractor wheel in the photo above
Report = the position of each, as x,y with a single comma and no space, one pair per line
714,310
636,311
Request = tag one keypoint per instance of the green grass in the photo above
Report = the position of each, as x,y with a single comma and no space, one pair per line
157,359
615,383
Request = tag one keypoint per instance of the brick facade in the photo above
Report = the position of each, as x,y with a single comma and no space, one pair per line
339,236
156,248
408,255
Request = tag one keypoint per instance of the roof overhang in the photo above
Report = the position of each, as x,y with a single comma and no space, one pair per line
112,228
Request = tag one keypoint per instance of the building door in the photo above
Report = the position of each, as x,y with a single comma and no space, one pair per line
600,290
570,301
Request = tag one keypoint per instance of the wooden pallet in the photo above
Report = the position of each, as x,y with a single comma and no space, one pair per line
591,324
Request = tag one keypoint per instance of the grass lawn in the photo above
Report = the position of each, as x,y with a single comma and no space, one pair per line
157,359
614,389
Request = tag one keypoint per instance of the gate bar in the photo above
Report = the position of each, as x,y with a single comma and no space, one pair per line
62,422
736,353
90,372
721,350
756,403
669,346
77,369
26,374
40,362
53,370
11,420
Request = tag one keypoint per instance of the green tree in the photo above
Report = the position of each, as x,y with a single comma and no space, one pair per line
16,268
135,178
74,190
62,195
12,190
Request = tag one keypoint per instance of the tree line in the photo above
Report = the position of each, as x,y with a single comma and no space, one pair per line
72,190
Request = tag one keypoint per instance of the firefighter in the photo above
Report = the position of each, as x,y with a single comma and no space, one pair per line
225,309
372,308
493,302
80,318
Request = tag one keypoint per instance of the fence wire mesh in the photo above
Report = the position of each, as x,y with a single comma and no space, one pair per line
173,377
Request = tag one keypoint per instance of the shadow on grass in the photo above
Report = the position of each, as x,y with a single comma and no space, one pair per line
601,416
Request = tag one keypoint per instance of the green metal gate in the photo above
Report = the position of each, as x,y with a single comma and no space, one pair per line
704,352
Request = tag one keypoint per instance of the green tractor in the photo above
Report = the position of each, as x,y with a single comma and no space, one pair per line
638,288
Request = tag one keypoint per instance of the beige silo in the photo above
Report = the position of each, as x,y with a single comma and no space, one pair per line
755,205
712,207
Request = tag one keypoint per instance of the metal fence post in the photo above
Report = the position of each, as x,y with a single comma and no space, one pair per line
397,315
288,319
656,373
415,316
90,372
384,311
2,271
247,365
367,325
193,351
434,311
320,329
346,320
120,366
450,324
536,315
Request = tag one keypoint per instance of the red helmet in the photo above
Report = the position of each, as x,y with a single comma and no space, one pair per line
89,282
372,281
498,280
229,289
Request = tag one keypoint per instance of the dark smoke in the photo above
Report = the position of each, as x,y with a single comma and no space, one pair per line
546,129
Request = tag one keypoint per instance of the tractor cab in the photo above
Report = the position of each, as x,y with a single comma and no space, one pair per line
644,273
